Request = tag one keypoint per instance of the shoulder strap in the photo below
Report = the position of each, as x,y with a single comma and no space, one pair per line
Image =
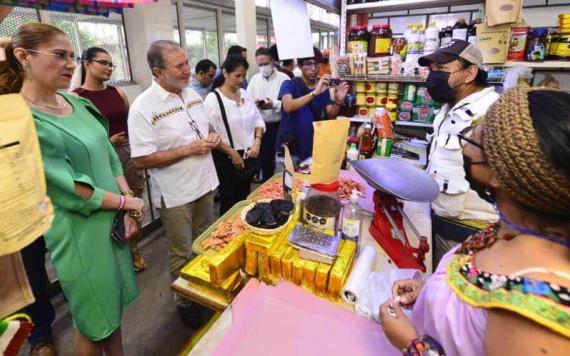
224,117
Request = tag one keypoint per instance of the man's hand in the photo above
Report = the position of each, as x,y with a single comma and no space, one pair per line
201,147
215,139
119,139
341,92
323,84
268,105
253,151
237,160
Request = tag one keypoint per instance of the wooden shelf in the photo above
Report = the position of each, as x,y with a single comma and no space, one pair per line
546,65
393,5
383,78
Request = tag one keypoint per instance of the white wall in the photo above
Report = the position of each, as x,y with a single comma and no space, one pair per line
544,16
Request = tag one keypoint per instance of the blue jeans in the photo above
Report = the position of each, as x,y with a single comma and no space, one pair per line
41,311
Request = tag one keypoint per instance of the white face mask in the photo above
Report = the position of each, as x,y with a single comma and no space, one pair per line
266,70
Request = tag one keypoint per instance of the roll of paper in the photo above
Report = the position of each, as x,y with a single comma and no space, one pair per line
358,277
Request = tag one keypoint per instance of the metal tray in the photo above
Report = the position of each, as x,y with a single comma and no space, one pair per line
235,211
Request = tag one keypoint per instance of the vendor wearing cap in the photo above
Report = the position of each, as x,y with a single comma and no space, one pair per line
458,82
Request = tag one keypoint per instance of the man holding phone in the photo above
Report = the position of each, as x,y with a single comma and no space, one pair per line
304,100
264,88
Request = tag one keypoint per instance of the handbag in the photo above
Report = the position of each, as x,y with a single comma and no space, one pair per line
118,232
252,165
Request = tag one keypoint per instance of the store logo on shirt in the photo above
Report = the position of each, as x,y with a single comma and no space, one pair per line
163,115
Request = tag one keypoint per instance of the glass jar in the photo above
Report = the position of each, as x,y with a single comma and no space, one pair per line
536,44
322,206
357,40
398,44
380,43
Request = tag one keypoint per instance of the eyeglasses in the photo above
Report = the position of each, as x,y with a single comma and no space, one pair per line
312,65
463,136
62,56
104,63
196,128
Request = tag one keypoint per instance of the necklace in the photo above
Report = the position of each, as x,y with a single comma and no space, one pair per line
60,107
524,230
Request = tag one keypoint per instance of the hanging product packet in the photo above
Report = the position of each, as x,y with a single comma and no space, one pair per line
499,12
25,210
329,145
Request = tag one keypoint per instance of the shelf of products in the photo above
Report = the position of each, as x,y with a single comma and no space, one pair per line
551,65
393,5
383,78
414,124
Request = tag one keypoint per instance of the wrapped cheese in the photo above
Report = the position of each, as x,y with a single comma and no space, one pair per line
263,266
298,264
309,270
287,263
321,278
230,260
341,268
250,262
197,272
275,257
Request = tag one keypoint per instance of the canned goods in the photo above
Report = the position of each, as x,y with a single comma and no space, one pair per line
392,99
422,97
405,116
363,111
517,44
371,111
406,106
370,87
394,87
360,99
370,99
381,99
409,92
360,87
381,88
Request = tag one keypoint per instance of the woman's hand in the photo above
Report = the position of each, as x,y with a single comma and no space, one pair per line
119,139
407,291
131,226
396,325
237,160
253,151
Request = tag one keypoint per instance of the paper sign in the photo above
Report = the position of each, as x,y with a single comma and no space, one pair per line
25,210
292,29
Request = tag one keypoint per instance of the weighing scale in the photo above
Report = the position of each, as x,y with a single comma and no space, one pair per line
396,179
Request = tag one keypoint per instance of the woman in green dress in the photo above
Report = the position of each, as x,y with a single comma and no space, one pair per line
84,180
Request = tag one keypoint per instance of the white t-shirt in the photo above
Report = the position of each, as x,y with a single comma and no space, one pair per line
260,88
160,121
243,119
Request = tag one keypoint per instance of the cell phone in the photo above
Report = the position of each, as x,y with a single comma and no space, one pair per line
261,103
334,82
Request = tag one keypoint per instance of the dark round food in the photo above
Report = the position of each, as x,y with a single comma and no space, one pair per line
282,207
270,215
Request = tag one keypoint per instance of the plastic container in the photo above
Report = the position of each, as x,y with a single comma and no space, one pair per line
431,38
360,99
322,206
352,220
381,88
536,44
357,40
360,87
363,111
351,155
392,111
370,99
370,87
366,146
517,45
380,43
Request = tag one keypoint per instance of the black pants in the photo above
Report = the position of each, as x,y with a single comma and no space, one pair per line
446,235
41,311
268,150
233,188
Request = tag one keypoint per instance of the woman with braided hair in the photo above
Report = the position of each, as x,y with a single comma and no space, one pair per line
505,291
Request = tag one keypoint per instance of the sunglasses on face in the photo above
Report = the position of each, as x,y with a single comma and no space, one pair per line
104,63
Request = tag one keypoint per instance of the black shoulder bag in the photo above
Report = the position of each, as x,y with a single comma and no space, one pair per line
252,165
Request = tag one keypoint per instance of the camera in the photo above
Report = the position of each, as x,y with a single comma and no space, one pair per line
334,82
261,103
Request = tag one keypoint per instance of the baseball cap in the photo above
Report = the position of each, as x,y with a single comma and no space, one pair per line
453,50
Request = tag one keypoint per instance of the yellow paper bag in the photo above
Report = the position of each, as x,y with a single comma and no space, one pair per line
329,145
25,210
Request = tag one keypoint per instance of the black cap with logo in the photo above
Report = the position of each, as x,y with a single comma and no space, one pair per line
453,50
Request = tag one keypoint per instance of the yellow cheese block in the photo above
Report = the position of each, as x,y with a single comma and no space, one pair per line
197,273
341,268
275,257
231,259
309,270
250,262
287,263
298,264
321,278
258,243
263,266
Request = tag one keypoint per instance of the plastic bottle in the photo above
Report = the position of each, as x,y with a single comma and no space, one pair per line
351,155
352,220
420,44
366,148
431,41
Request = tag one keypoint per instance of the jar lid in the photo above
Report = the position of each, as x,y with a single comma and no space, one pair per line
359,28
539,31
332,187
382,25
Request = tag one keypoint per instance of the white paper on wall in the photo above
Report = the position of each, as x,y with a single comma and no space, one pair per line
292,28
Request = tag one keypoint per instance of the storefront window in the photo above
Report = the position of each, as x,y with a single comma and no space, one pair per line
316,39
200,29
261,32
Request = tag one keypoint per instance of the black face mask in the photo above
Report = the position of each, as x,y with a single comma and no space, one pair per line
482,191
437,84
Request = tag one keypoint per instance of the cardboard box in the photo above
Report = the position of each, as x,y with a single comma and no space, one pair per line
493,42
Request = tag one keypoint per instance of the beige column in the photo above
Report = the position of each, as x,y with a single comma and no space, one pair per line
246,25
